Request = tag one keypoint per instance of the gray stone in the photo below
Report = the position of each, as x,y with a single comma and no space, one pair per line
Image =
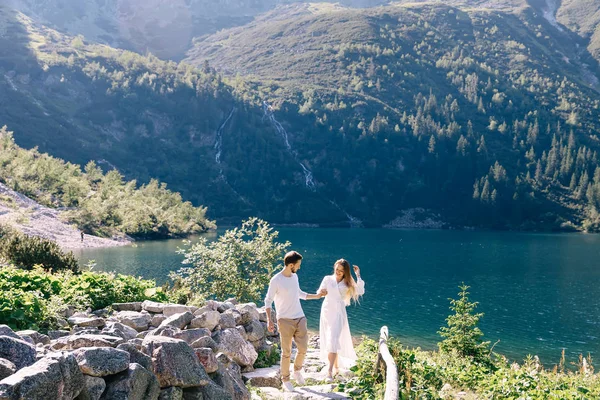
58,334
211,391
165,330
136,356
248,312
135,383
173,309
157,320
242,332
202,310
207,359
78,330
136,342
153,306
254,330
35,336
207,320
178,320
212,304
87,322
229,377
264,377
6,330
222,307
17,351
262,315
174,362
191,335
226,321
135,306
171,393
102,313
76,342
92,389
101,361
257,344
56,377
136,320
237,316
7,368
206,341
119,329
233,344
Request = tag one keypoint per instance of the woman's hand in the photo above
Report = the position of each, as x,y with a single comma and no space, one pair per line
357,270
322,293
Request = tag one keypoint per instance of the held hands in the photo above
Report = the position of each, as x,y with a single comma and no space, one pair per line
322,293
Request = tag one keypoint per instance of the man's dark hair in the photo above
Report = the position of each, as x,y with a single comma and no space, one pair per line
291,257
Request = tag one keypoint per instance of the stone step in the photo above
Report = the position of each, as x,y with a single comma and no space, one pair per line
317,392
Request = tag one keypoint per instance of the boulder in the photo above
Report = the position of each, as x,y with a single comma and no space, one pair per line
242,332
157,320
206,341
230,342
229,377
53,335
173,309
17,351
192,335
136,320
101,361
56,377
248,313
165,330
208,320
171,393
226,321
207,359
118,329
6,330
87,322
92,388
153,306
135,306
174,362
78,341
35,336
264,377
262,315
254,330
237,316
7,368
211,391
178,320
135,383
136,356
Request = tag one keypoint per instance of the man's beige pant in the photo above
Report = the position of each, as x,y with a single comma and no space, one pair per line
288,329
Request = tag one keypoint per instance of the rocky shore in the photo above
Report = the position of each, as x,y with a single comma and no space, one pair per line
138,351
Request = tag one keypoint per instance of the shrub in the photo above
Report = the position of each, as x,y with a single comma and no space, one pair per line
239,264
267,358
27,251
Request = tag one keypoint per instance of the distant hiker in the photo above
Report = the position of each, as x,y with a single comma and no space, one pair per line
81,236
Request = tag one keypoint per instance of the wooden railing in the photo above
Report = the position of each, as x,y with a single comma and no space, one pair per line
384,357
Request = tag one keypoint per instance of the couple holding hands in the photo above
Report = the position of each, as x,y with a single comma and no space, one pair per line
339,289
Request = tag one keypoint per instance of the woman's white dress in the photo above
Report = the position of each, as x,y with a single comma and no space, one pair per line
334,331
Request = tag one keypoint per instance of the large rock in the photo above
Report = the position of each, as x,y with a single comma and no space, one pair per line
118,329
136,356
206,341
6,330
192,335
248,312
101,361
135,383
229,377
78,341
165,330
208,320
226,321
264,377
136,320
207,359
7,368
87,322
17,351
174,362
237,316
172,393
53,335
135,306
56,377
35,336
92,389
153,306
178,320
157,320
211,391
262,314
172,309
231,342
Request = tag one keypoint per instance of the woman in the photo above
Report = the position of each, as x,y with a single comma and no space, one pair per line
334,332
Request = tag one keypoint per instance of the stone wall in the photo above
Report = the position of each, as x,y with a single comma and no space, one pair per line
139,351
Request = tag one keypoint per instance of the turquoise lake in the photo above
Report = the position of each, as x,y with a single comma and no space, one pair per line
540,292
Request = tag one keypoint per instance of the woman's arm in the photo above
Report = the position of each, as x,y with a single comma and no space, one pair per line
360,284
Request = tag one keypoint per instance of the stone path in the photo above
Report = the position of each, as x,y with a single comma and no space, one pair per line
266,382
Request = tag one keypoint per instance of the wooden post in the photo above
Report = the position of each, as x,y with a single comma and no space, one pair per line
391,376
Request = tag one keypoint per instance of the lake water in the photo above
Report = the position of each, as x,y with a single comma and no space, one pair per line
540,292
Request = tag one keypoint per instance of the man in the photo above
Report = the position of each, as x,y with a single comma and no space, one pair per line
284,289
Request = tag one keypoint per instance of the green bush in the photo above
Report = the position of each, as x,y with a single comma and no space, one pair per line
28,251
239,264
35,299
267,358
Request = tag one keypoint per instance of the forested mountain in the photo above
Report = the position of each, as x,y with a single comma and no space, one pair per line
484,112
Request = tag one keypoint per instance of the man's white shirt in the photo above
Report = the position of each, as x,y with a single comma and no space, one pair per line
287,294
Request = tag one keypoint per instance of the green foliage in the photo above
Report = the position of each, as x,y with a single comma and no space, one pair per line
35,299
462,334
267,358
28,251
239,264
100,204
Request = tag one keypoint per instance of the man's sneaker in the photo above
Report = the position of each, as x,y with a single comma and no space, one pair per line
288,387
299,378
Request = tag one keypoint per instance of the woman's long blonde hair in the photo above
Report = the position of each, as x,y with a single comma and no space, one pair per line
348,280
